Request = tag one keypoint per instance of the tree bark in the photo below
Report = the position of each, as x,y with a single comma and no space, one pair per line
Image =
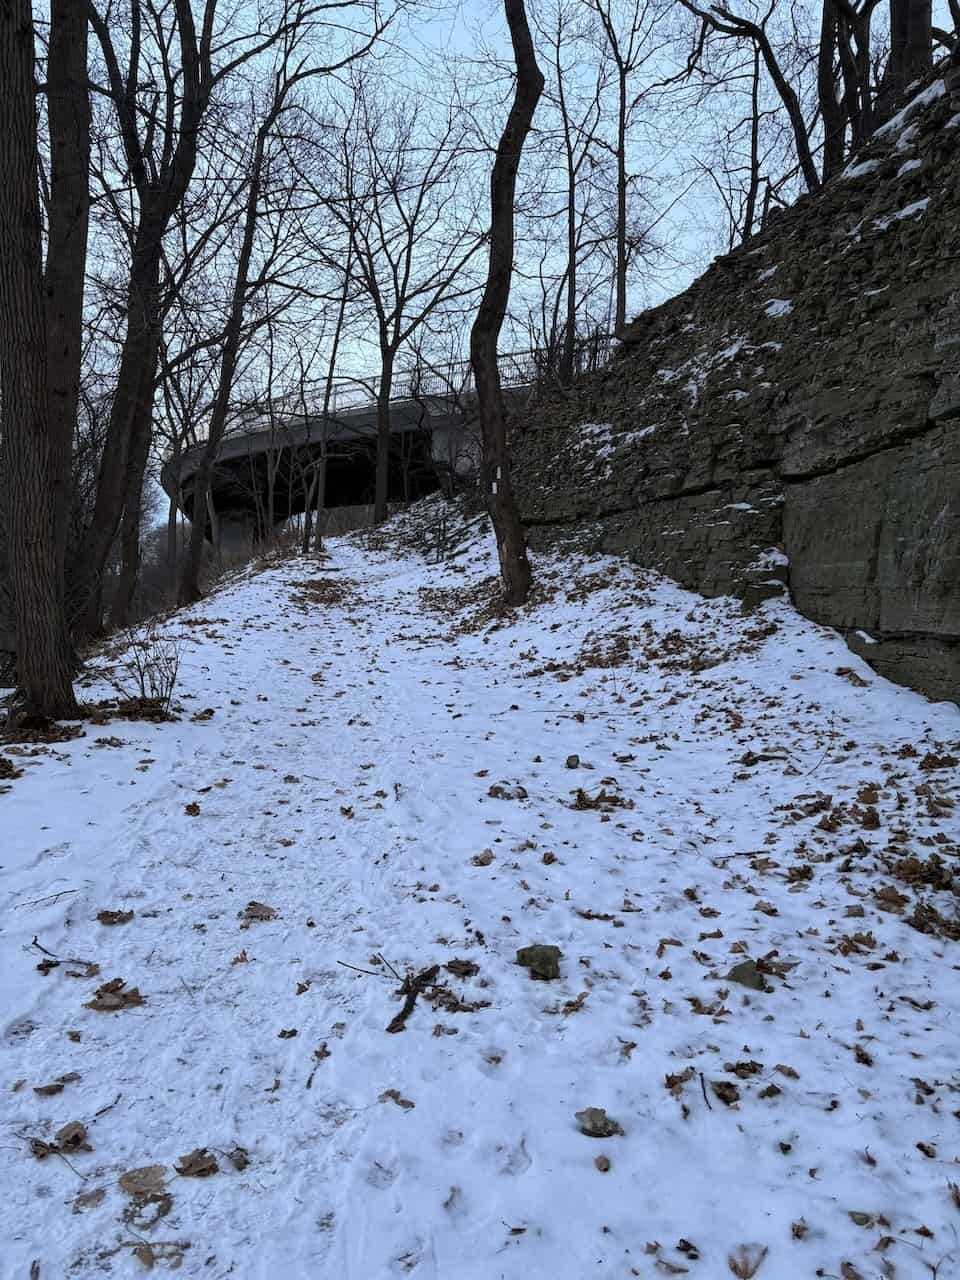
32,446
68,116
495,477
135,380
911,49
830,110
620,316
382,492
139,452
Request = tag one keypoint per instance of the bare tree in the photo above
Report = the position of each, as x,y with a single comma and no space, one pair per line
295,68
629,30
407,210
36,423
723,21
484,336
575,91
161,92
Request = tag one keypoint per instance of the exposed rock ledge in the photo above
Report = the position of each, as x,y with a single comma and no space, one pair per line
794,416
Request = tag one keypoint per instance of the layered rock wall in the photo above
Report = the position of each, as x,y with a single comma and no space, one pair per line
794,416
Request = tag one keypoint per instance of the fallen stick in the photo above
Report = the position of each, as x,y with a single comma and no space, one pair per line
412,987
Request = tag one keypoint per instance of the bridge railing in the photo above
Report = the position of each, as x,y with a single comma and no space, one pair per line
451,381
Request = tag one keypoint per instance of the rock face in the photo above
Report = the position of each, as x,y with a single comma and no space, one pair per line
793,418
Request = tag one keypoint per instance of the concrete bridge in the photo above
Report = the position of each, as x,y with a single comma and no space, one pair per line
265,465
264,469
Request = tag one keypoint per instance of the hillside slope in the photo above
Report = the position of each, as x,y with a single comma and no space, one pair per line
802,398
372,768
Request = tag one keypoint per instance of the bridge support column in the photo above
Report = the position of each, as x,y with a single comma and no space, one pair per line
236,530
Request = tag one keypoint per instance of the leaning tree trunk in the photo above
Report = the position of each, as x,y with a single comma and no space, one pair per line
511,545
33,468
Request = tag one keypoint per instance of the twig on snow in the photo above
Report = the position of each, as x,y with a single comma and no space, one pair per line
50,897
53,956
703,1086
370,972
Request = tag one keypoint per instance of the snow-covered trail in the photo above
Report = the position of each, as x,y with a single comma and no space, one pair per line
344,781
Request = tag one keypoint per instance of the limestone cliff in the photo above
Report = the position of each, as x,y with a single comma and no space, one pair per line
794,416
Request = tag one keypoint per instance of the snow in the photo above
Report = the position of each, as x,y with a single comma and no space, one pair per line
907,139
896,123
761,783
770,557
778,307
865,637
860,170
769,273
601,443
916,209
909,166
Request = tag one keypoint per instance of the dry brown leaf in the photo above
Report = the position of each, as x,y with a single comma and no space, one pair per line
726,1091
72,1137
199,1163
143,1253
112,997
88,1199
393,1095
746,1260
56,1086
114,917
146,1181
256,911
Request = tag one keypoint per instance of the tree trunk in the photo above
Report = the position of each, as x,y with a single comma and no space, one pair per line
172,515
620,317
382,494
568,355
321,512
31,447
830,110
750,211
190,582
129,576
136,378
911,49
68,115
511,544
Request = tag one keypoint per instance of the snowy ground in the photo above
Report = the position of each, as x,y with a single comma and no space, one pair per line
343,781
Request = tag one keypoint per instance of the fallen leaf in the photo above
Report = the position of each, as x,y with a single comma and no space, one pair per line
73,1137
595,1123
393,1095
726,1091
114,917
199,1163
56,1086
112,997
146,1181
255,911
143,1253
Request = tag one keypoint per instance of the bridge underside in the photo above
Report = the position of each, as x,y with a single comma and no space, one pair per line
255,489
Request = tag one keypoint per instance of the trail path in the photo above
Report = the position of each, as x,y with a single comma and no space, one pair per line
343,781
